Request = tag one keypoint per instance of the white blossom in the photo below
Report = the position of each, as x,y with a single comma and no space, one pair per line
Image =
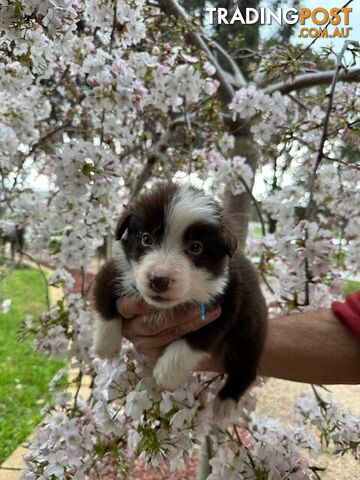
87,90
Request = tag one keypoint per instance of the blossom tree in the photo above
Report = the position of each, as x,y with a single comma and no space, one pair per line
104,97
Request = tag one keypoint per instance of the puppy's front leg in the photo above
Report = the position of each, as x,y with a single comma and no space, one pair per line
107,338
176,363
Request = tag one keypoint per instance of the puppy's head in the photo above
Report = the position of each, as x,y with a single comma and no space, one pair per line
178,242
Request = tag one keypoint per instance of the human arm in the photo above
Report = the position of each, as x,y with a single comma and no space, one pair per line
312,347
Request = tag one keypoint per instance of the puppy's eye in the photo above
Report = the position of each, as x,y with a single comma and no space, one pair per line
146,239
196,248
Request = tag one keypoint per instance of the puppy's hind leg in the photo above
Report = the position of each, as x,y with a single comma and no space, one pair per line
241,365
107,338
176,363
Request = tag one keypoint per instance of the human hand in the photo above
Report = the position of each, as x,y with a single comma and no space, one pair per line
150,338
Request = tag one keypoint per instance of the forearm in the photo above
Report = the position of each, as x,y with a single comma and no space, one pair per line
313,347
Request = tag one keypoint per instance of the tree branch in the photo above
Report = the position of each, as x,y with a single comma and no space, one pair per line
35,146
112,36
256,204
238,75
41,270
154,154
324,134
312,80
172,7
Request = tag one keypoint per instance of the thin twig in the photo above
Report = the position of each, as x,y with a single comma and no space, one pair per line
102,126
38,264
354,165
308,278
322,404
310,205
88,288
112,37
297,101
172,7
312,43
267,284
244,446
78,381
155,153
37,145
82,281
238,75
256,203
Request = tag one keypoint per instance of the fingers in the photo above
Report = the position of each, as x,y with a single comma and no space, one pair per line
147,335
181,329
153,353
128,307
143,326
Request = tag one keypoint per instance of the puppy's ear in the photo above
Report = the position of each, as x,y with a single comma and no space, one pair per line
122,225
231,231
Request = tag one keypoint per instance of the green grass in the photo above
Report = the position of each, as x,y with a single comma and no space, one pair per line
350,286
257,231
24,375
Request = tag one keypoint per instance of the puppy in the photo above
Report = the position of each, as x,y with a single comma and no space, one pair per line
178,247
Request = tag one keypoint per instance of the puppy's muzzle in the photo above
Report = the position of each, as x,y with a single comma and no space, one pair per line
158,283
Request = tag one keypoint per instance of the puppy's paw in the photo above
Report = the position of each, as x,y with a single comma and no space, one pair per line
169,376
224,409
176,363
108,351
107,339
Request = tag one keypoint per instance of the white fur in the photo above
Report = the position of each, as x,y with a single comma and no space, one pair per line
189,283
107,338
179,267
176,363
188,206
127,280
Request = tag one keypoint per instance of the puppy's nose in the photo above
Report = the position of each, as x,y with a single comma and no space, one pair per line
158,284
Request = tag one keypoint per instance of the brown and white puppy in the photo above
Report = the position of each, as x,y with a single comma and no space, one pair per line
178,247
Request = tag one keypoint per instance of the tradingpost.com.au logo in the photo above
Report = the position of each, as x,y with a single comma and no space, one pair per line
328,23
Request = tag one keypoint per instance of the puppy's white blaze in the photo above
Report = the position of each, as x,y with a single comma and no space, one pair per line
187,207
176,363
191,284
107,338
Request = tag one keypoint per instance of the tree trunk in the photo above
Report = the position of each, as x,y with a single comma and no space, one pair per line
240,205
